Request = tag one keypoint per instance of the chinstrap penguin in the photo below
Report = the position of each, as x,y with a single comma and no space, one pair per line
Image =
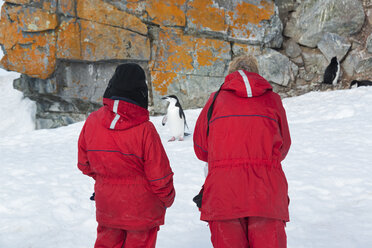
175,117
332,72
358,83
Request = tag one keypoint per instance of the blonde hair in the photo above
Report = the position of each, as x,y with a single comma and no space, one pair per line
243,62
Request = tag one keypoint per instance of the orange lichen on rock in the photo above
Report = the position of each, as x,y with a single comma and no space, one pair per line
246,13
13,35
103,42
202,15
176,52
26,52
173,51
67,7
105,13
49,5
161,80
209,51
96,30
179,54
18,1
36,59
136,7
10,31
3,25
34,20
166,12
68,40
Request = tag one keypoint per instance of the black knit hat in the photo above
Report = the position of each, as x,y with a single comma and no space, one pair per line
128,81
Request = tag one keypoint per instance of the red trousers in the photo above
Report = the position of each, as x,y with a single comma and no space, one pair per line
249,232
117,238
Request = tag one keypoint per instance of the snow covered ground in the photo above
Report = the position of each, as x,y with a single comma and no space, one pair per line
44,199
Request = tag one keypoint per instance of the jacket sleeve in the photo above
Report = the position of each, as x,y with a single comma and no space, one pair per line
83,162
157,169
284,129
200,133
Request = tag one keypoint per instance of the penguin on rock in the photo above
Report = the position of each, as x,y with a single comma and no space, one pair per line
175,117
332,72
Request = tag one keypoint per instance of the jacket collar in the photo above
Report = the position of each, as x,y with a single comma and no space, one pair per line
121,115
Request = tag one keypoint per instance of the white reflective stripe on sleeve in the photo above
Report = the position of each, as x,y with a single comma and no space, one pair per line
115,110
246,82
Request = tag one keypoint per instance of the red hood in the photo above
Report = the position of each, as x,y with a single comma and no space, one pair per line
246,84
120,115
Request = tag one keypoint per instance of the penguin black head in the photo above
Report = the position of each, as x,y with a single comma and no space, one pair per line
334,60
354,82
168,98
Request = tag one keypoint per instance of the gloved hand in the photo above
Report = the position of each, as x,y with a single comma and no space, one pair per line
92,198
198,198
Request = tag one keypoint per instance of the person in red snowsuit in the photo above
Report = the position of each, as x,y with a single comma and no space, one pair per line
242,133
120,148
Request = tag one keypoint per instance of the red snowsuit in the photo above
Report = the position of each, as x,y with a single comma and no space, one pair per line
248,138
120,148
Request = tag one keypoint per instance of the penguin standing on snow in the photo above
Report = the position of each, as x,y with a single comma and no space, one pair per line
175,117
357,83
332,72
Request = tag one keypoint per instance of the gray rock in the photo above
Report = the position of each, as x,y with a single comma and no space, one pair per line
35,86
315,62
357,63
226,4
334,45
86,80
192,90
216,69
292,49
313,18
276,67
240,49
298,61
369,43
268,33
54,120
273,30
369,16
285,6
303,74
54,104
356,44
364,65
196,89
350,63
300,82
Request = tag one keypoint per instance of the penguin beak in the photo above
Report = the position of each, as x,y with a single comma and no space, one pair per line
164,98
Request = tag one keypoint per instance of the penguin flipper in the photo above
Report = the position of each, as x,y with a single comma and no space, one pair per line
186,125
165,118
182,115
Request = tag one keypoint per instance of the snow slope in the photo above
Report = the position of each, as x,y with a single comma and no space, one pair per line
44,199
16,112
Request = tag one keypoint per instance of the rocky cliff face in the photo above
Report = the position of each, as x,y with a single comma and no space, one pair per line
67,50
